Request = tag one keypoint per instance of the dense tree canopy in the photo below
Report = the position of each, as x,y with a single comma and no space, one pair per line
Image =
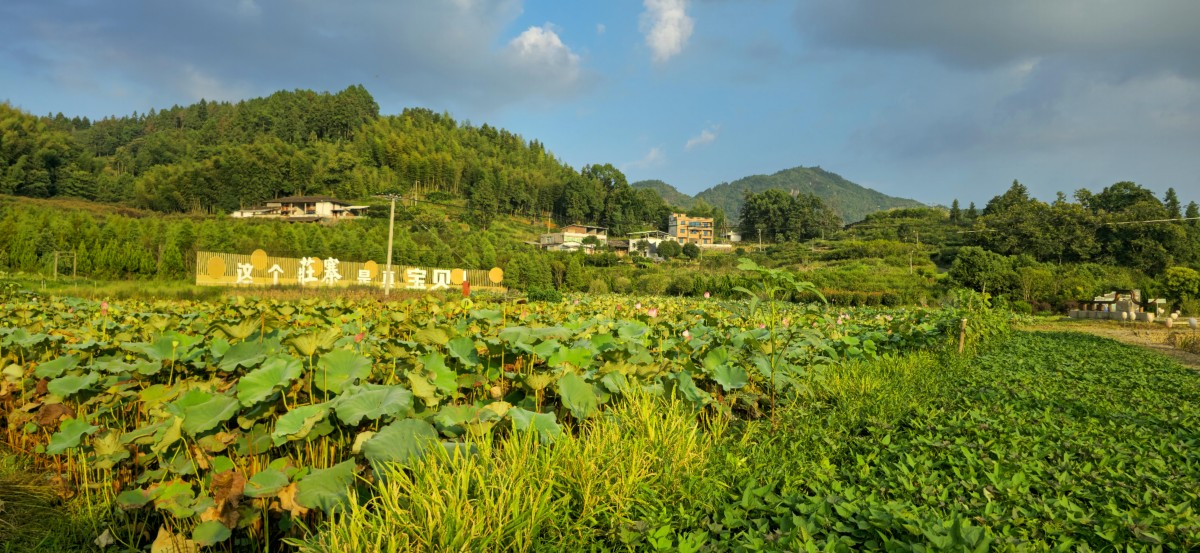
214,157
1123,224
782,217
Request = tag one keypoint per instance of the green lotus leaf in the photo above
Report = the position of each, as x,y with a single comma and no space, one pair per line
157,393
167,435
444,377
577,396
544,424
68,435
402,442
434,336
66,386
326,489
463,349
340,368
13,373
686,388
372,402
615,382
423,388
545,349
266,483
244,354
454,415
55,367
163,349
132,499
730,376
275,373
716,357
309,344
205,415
175,497
580,358
493,316
297,423
210,532
109,450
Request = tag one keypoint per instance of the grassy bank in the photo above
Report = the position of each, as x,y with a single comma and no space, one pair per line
1043,442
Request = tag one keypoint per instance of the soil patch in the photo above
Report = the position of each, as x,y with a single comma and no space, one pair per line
1149,336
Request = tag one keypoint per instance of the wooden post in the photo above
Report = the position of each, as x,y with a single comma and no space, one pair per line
962,336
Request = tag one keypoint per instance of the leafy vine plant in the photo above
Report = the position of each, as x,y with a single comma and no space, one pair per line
773,285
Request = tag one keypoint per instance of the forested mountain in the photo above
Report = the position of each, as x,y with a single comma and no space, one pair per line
849,200
668,193
213,157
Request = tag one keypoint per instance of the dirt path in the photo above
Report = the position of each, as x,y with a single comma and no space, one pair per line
1152,337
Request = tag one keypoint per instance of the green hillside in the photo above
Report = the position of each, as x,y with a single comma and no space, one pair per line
852,201
216,157
669,193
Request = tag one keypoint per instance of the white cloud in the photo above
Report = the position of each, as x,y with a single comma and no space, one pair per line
405,53
199,85
706,136
248,8
667,27
654,158
600,28
541,46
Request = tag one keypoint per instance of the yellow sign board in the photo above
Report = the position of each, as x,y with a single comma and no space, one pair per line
259,269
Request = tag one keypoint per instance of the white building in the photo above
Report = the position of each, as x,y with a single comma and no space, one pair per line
303,209
572,237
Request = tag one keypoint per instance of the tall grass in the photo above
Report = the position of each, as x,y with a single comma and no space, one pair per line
637,459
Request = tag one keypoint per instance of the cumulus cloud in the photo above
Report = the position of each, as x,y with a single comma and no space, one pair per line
706,136
1126,38
1109,89
600,28
540,50
654,158
667,27
433,53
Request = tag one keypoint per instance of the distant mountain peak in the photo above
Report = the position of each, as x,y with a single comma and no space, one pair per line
850,200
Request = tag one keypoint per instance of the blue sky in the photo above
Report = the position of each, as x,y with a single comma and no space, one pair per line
927,99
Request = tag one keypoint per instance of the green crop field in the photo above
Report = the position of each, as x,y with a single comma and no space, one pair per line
596,423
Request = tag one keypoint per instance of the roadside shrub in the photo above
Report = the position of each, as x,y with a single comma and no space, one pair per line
653,284
681,285
598,286
621,285
549,295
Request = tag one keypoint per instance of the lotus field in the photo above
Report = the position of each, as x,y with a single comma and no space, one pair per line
203,421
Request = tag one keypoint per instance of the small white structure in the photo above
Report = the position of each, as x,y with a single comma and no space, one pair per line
303,209
732,236
652,239
1119,305
571,238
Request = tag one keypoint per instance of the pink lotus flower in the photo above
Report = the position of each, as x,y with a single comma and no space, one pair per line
653,312
103,309
762,325
686,334
787,322
637,305
359,337
707,295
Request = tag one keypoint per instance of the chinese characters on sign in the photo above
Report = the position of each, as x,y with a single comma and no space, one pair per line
258,269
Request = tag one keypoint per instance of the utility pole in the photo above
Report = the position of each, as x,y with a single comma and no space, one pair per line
388,276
